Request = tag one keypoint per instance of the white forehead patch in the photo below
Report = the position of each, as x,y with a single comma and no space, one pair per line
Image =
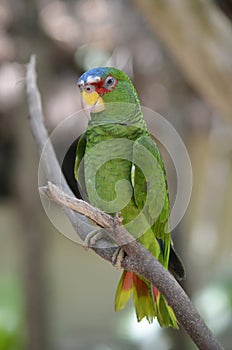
81,82
93,79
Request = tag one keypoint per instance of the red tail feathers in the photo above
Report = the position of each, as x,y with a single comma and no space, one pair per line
147,299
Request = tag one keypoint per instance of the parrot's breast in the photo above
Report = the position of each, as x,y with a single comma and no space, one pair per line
108,167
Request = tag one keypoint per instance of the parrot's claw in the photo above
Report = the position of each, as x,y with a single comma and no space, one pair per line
118,257
92,238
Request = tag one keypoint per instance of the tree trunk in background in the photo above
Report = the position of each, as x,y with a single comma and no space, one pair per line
33,239
198,36
26,188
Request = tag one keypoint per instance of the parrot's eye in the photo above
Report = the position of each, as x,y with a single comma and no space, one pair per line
89,88
110,82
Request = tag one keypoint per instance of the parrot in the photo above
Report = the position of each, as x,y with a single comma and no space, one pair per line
119,169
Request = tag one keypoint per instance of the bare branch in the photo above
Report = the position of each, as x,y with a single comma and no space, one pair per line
50,163
138,259
55,194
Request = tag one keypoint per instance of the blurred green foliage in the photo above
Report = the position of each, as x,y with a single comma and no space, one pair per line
12,325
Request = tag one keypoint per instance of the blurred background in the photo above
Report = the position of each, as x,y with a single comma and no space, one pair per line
53,294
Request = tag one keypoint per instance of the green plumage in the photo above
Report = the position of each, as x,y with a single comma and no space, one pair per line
119,168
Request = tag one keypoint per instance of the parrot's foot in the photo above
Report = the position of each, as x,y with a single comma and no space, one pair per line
118,257
92,238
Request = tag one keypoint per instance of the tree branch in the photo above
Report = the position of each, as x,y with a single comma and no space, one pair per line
138,259
50,163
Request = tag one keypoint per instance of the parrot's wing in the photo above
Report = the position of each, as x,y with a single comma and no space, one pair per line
79,153
79,164
151,192
151,195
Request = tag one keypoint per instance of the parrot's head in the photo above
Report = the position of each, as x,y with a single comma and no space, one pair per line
106,85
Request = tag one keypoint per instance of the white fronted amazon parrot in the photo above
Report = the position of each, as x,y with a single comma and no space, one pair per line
118,167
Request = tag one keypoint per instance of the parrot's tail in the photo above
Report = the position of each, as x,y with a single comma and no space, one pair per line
148,301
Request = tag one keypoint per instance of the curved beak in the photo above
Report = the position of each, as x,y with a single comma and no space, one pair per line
92,103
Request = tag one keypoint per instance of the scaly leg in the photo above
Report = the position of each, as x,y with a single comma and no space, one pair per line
92,237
